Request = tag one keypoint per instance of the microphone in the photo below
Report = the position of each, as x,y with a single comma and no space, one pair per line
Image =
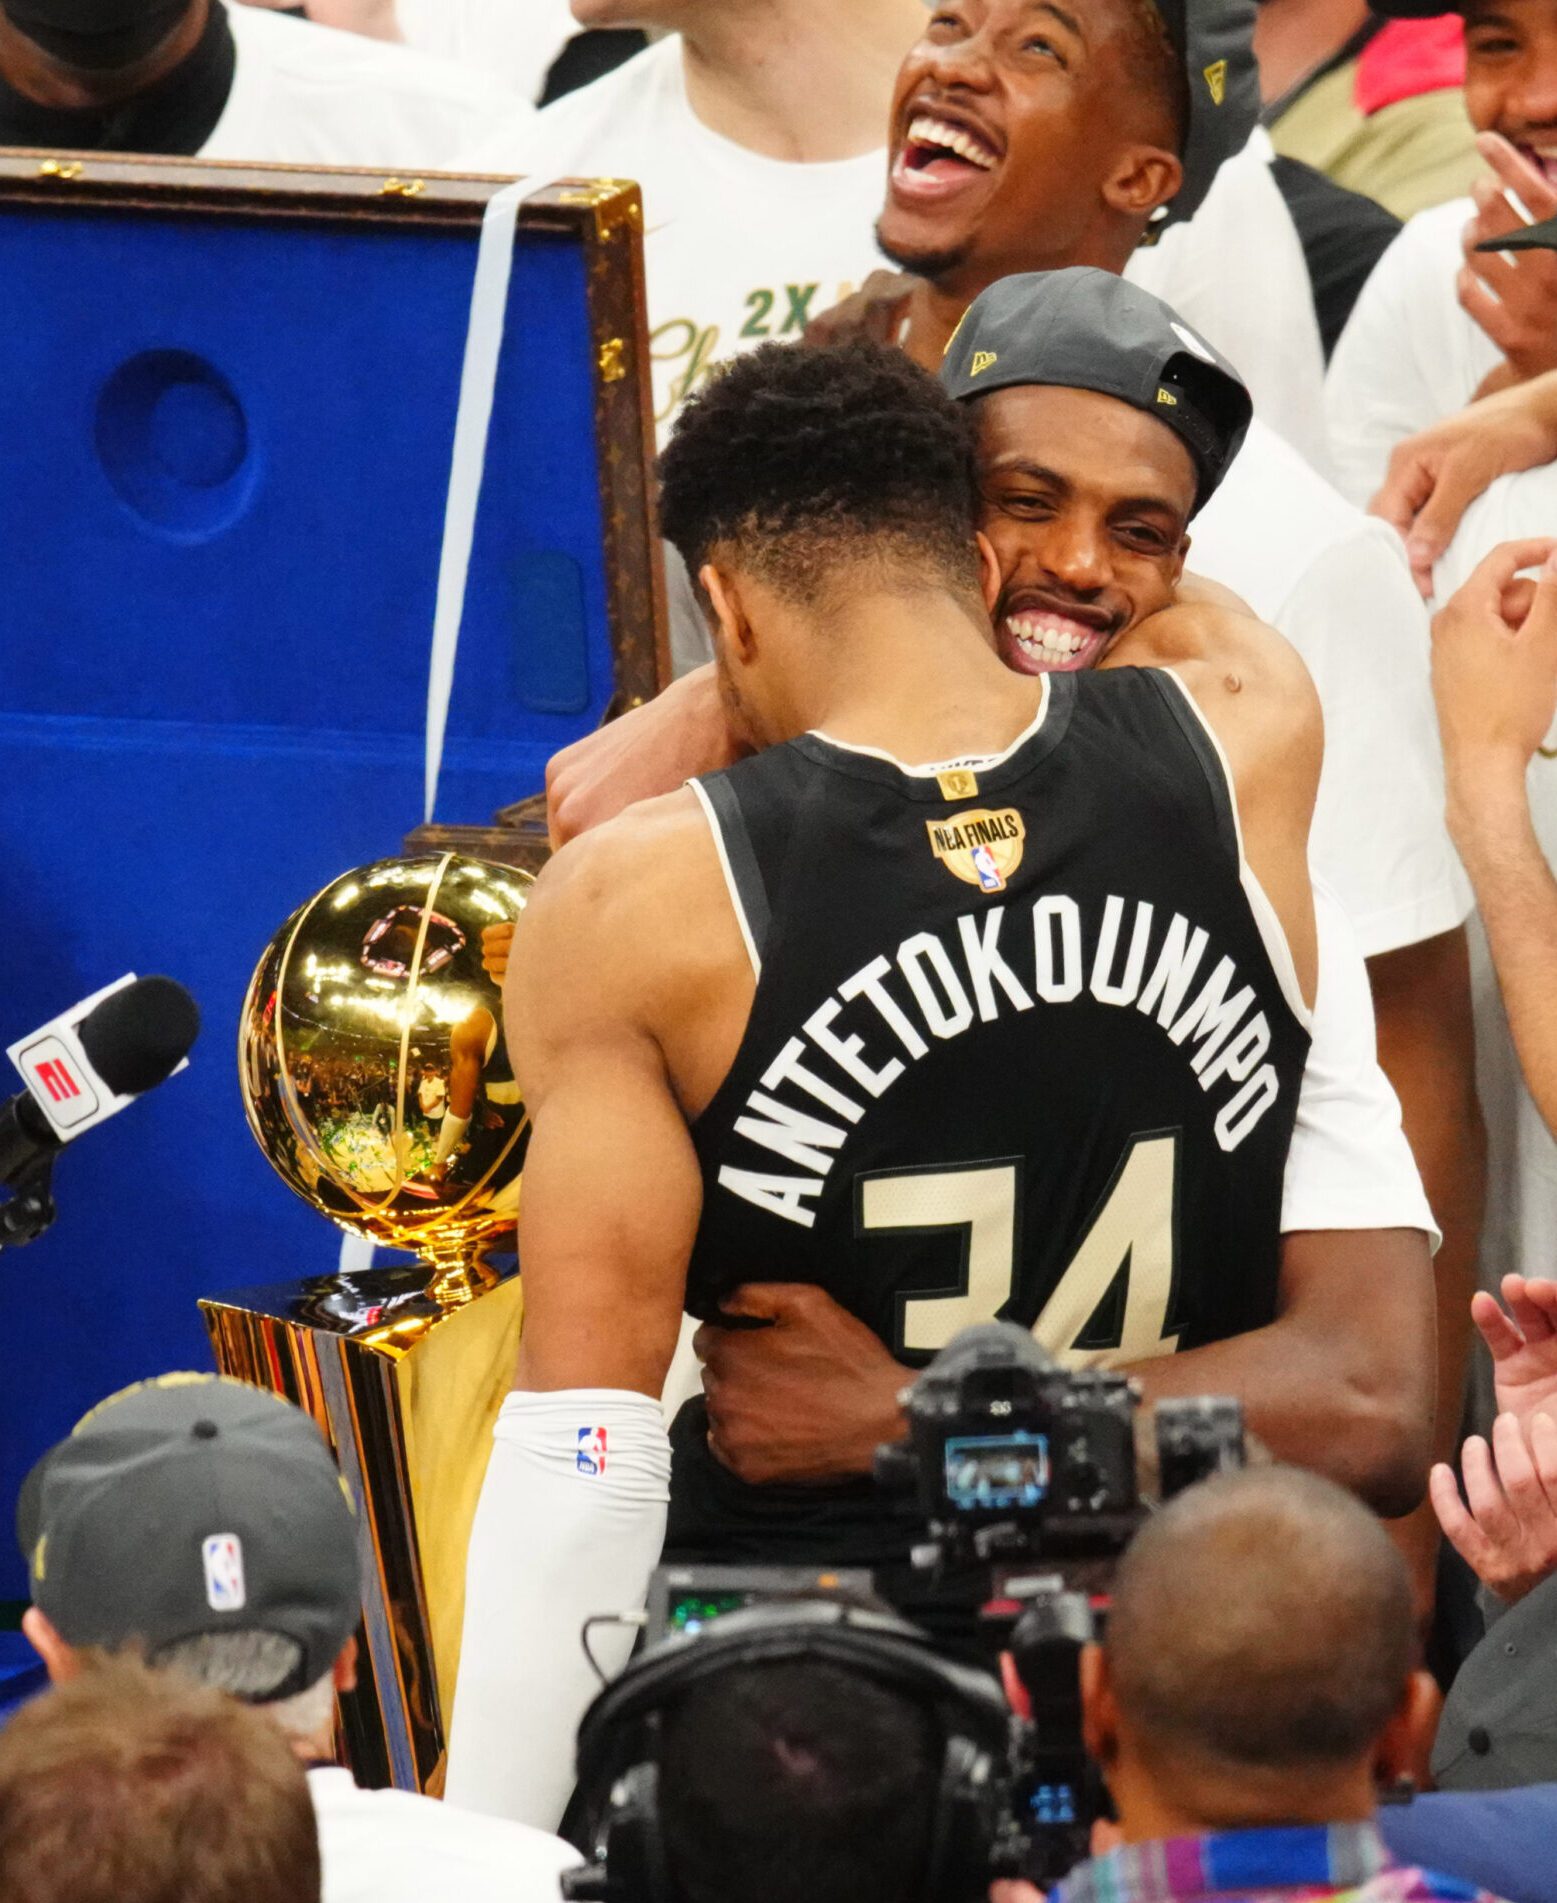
80,1069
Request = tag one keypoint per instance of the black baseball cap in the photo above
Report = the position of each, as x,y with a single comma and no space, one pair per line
194,1504
1214,40
1085,329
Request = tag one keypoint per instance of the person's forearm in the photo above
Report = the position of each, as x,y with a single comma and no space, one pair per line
1426,1041
1489,818
1305,1412
1426,1046
1365,1422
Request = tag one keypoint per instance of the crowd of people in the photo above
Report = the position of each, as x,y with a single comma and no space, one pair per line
1093,868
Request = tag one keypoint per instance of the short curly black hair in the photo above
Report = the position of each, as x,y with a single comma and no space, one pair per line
804,461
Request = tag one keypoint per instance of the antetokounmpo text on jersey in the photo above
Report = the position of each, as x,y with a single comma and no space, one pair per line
938,985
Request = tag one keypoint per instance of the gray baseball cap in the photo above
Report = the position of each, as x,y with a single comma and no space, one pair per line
193,1504
1085,329
1214,39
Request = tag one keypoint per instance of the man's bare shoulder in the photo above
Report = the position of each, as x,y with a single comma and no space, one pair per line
1238,668
648,862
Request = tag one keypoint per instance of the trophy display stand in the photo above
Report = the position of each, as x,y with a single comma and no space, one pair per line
406,1385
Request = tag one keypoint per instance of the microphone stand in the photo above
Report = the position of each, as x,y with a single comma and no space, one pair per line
30,1209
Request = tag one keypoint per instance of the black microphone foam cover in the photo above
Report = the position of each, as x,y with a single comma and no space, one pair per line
140,1035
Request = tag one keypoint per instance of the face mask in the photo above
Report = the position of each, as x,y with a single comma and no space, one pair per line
96,35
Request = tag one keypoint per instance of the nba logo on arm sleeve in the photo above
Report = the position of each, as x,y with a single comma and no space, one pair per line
222,1554
592,1450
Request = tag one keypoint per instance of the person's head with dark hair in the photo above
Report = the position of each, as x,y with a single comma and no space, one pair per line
797,1782
134,1786
823,500
1257,1668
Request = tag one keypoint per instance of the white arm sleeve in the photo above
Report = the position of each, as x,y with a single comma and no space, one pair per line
570,1523
1350,1166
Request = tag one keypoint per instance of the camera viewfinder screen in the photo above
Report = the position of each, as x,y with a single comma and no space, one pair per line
997,1472
1053,1804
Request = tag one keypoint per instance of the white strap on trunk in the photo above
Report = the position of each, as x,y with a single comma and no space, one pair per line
478,382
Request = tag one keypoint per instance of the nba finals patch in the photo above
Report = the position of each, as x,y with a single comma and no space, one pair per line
981,848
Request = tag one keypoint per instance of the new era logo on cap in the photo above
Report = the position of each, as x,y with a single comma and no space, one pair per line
1216,81
982,360
222,1555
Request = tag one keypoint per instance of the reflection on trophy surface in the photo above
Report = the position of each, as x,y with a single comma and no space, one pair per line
374,1070
377,1081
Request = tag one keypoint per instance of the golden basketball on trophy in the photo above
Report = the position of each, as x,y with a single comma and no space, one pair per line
376,1080
372,1058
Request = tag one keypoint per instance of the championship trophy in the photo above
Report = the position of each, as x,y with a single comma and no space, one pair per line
376,1081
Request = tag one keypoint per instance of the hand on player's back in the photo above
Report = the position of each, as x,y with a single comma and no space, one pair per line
652,750
877,310
809,1397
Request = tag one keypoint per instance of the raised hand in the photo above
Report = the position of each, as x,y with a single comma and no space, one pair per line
1511,295
1523,1345
1505,1529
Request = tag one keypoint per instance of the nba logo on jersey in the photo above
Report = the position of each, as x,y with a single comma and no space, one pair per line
222,1555
981,848
591,1450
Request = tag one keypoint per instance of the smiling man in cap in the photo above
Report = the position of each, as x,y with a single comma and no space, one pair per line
1073,153
1105,424
203,1524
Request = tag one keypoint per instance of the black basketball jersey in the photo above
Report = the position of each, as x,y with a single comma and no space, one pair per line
1026,1043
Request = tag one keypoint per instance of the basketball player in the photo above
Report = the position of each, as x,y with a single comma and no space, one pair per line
1086,496
946,1036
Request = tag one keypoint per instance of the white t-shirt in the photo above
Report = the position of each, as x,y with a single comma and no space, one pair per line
1409,355
518,40
737,248
1336,584
1237,273
395,1847
1349,1166
309,95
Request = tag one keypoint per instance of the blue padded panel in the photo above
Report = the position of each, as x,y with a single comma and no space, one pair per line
224,448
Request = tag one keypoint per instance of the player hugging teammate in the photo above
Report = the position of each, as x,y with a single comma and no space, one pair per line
1001,1004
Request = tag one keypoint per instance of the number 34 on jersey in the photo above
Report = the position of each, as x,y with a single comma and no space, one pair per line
1110,1305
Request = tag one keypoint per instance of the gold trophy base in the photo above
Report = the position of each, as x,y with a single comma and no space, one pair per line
405,1371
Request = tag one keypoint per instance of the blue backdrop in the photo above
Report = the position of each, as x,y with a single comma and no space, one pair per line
224,448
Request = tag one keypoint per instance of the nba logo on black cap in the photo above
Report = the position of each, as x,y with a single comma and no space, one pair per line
222,1554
